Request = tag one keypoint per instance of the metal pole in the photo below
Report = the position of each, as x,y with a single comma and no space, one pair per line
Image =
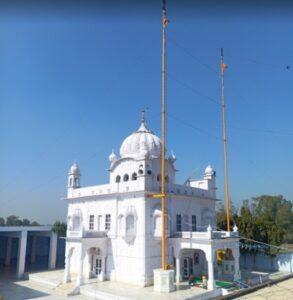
163,190
227,195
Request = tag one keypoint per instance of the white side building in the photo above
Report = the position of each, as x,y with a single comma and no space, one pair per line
114,229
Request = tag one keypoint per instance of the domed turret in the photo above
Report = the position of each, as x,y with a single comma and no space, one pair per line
209,172
74,176
172,157
142,143
74,169
112,157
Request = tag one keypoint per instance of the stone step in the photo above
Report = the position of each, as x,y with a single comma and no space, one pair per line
93,293
43,280
66,289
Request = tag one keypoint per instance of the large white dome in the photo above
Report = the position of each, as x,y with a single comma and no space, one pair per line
142,143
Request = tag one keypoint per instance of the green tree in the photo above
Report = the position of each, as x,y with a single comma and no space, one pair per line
221,216
13,221
268,219
26,222
2,221
273,214
34,223
59,228
247,226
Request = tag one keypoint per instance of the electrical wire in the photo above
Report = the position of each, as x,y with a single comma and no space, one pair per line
52,179
285,67
197,60
263,131
193,127
44,155
196,92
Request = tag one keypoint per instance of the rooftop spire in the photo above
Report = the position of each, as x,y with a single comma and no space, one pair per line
143,126
143,116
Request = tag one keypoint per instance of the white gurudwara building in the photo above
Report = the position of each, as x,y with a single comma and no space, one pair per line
114,230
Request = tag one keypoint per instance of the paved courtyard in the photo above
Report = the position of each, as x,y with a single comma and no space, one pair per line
116,290
47,285
12,289
280,291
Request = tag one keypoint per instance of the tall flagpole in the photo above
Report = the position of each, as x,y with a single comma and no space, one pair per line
227,195
163,189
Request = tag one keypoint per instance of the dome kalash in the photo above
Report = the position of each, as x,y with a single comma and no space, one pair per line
142,143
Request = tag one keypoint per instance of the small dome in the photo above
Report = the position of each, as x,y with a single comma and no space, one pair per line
172,157
142,143
112,157
209,170
74,169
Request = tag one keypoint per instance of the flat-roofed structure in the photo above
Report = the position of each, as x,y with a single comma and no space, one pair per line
22,233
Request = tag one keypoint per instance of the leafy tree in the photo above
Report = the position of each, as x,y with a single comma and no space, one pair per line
273,214
247,226
268,219
59,228
2,221
26,222
34,223
221,216
13,221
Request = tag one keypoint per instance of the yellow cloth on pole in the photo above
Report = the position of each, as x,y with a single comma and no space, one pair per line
223,67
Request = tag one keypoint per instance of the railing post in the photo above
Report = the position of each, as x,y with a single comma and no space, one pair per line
209,232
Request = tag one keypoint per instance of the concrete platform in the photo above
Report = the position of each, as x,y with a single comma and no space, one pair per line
50,278
108,290
282,290
14,289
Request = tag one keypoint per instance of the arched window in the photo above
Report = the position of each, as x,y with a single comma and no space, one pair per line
167,179
130,225
134,176
159,177
140,169
158,226
125,177
76,222
118,178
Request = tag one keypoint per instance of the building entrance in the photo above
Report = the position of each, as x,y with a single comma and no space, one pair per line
187,267
98,266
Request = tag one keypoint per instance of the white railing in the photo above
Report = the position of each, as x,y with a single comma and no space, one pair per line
192,235
224,234
74,234
86,234
205,234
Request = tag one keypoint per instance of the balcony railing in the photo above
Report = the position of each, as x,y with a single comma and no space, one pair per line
205,235
86,234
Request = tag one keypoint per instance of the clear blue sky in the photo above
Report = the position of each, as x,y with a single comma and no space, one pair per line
74,79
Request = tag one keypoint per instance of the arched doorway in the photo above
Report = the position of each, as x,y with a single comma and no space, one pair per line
96,263
193,263
225,264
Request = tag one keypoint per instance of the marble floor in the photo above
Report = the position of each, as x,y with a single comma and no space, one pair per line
280,291
47,285
115,290
13,289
